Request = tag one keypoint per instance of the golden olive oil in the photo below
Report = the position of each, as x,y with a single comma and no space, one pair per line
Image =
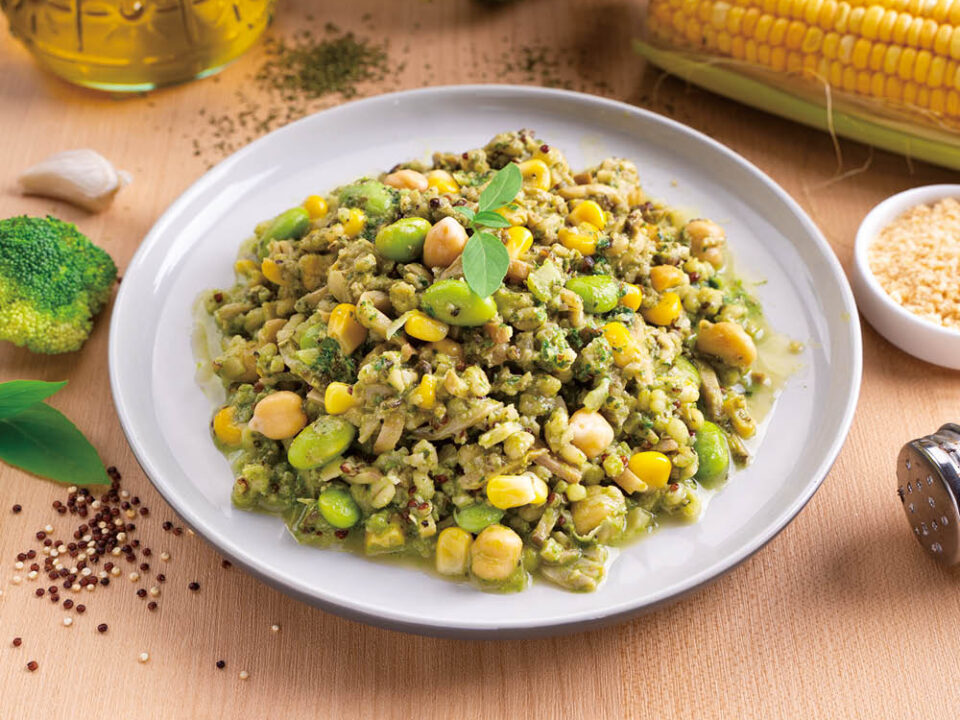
132,45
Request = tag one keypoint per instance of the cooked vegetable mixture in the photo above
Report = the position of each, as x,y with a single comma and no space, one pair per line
375,401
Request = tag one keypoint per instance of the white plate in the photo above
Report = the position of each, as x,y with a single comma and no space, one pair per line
192,247
911,333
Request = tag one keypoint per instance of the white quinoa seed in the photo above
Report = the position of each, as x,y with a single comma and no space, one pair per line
72,490
244,674
67,621
143,657
134,577
116,552
275,628
48,529
16,579
165,556
18,565
916,260
91,588
32,575
154,591
115,571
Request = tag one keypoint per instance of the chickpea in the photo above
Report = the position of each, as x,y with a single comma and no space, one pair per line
591,432
444,243
706,241
406,180
727,341
495,553
600,504
279,416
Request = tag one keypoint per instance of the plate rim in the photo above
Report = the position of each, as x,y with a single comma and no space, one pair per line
577,621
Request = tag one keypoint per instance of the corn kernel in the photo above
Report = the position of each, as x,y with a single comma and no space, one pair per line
425,395
651,467
344,327
632,296
423,327
510,491
575,492
453,551
338,398
583,239
666,276
665,311
514,215
589,212
271,271
355,223
442,181
625,348
315,206
225,426
519,240
245,267
536,174
448,347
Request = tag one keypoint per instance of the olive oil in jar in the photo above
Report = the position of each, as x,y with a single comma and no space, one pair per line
133,45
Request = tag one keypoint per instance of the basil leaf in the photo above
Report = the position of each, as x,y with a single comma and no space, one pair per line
17,395
502,188
42,441
467,212
485,263
491,219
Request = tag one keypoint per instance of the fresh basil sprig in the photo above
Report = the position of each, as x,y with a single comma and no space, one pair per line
485,259
41,440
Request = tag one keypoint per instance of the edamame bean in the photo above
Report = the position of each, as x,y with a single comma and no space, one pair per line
474,518
685,369
321,441
338,508
453,302
600,293
291,224
713,454
310,338
402,241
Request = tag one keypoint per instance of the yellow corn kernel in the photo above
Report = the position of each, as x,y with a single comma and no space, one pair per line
667,309
510,491
935,73
536,174
941,41
425,394
590,212
315,206
387,540
442,181
623,344
448,347
344,327
583,239
666,276
271,271
519,240
338,398
423,327
651,467
632,296
514,215
245,267
355,223
225,426
453,551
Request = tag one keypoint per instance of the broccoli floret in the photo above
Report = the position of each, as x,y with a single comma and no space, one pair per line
377,201
332,362
53,281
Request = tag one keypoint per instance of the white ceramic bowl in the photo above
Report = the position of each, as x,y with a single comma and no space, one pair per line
911,333
192,247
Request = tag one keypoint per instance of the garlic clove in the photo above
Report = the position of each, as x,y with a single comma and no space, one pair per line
81,177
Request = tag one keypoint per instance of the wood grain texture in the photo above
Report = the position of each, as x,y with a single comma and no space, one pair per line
839,616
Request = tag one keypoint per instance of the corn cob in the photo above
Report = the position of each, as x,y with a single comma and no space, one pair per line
905,52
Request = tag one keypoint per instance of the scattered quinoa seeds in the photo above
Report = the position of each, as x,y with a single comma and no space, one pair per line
143,657
916,260
32,666
102,628
17,642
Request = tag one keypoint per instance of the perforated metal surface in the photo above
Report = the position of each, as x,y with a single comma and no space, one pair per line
928,477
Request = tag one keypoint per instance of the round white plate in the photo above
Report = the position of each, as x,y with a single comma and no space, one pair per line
193,246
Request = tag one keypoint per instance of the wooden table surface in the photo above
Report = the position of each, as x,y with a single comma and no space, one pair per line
841,616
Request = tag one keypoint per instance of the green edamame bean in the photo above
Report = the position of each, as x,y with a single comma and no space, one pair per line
373,197
292,223
453,302
310,338
338,508
713,454
319,442
474,518
402,241
600,293
687,370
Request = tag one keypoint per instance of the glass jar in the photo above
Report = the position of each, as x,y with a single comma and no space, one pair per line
135,45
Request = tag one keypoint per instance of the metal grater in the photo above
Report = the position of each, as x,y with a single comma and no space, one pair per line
928,477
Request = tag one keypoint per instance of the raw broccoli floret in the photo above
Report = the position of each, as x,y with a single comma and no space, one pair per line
53,281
